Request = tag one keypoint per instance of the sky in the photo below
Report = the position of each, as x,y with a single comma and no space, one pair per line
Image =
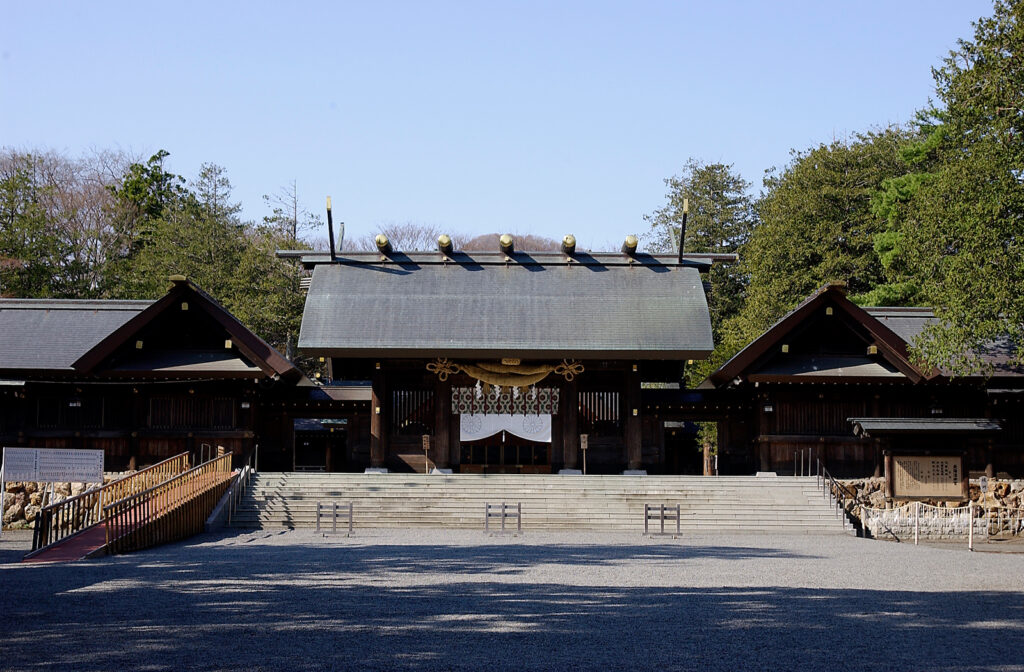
475,117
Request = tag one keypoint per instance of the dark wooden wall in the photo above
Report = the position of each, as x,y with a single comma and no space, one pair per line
135,424
812,421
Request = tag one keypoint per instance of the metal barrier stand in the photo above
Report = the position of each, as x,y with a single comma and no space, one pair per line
661,513
346,511
505,511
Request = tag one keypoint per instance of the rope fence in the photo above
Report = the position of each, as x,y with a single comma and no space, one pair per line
917,520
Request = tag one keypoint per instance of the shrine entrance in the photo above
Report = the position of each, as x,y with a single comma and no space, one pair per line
505,444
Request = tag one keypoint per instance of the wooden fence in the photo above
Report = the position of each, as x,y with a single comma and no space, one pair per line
167,512
70,516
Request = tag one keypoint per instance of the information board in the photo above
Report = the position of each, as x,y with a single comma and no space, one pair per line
927,476
56,465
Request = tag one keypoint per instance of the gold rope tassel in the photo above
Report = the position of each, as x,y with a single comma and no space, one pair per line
506,375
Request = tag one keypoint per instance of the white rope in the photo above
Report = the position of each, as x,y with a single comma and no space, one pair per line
939,522
935,522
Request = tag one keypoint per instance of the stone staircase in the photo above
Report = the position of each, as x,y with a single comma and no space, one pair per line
550,502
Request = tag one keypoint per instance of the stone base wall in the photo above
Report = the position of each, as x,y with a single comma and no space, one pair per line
23,501
870,492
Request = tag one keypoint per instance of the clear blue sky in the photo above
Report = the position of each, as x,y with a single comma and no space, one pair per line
527,117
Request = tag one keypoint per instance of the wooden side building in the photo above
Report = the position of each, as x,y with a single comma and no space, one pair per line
141,380
834,381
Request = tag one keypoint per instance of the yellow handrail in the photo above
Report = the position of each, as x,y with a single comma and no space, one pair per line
171,510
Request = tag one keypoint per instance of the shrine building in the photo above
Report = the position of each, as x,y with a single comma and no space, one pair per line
499,362
835,382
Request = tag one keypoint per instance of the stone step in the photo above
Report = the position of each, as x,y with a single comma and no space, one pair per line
767,505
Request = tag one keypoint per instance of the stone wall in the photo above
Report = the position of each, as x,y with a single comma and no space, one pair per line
870,492
22,501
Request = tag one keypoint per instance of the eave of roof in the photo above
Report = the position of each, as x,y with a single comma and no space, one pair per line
827,369
868,427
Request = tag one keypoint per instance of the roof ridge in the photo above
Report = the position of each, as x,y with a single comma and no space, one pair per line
72,304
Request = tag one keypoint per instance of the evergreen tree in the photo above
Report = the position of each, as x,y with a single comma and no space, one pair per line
721,218
30,251
816,225
955,230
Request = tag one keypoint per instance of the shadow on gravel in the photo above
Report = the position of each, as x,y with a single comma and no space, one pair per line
306,608
9,555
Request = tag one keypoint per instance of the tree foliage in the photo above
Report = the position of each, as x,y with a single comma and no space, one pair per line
55,231
488,242
721,218
108,227
816,225
955,228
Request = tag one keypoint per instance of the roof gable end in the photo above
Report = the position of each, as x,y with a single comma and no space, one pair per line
890,346
254,349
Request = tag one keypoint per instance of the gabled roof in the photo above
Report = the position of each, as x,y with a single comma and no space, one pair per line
763,361
526,305
51,334
909,323
254,356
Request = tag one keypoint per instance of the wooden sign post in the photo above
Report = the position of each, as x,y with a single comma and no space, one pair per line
584,438
426,453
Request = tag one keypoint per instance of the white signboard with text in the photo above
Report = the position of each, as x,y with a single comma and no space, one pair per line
53,465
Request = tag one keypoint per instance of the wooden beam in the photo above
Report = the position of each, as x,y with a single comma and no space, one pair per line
569,410
442,422
378,428
634,430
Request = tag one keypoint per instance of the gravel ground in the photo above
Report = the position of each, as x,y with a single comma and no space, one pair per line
453,600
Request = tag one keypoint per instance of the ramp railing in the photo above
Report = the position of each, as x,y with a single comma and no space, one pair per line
68,517
170,511
241,483
839,496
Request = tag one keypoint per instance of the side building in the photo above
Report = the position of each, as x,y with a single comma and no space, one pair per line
833,381
140,380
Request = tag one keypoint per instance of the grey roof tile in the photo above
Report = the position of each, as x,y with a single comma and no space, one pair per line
51,334
649,310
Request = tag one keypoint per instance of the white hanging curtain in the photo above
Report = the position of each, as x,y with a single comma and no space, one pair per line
530,427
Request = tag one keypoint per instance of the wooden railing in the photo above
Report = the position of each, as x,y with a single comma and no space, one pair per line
70,516
169,511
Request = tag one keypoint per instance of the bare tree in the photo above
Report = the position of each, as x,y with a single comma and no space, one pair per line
287,215
75,197
405,236
526,242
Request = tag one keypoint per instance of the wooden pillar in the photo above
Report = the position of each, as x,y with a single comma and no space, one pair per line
877,445
990,466
442,422
378,426
569,409
634,433
765,454
454,439
888,476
